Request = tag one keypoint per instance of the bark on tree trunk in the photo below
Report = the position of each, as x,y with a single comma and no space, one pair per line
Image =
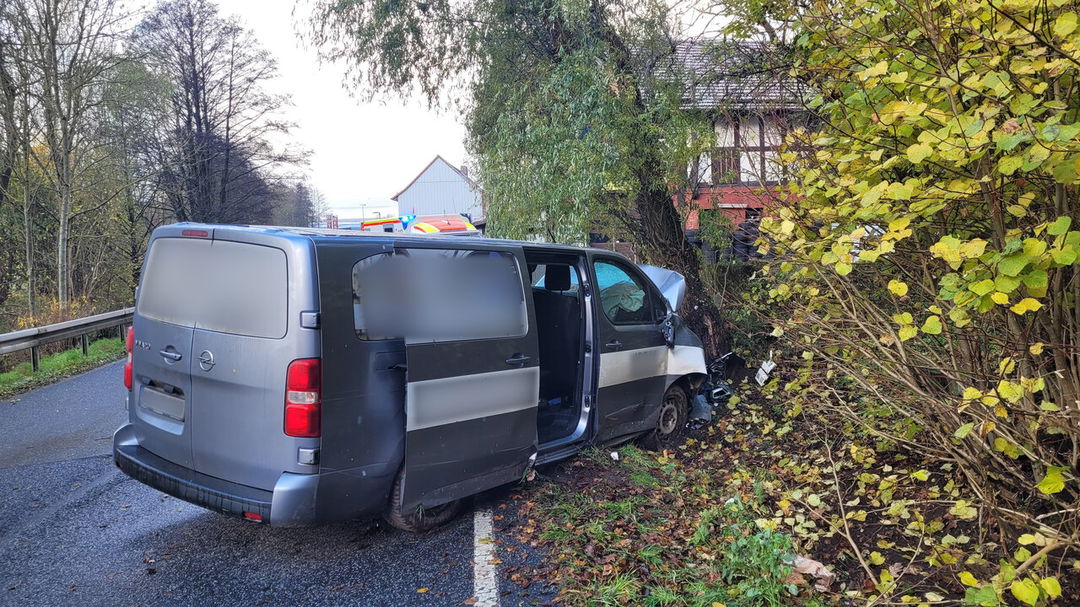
663,242
62,250
28,230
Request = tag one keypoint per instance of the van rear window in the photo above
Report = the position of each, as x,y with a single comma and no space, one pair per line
222,286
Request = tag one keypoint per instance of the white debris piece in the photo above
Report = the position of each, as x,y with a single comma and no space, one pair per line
615,455
763,371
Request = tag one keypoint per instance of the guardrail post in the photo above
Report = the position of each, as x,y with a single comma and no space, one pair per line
85,344
35,360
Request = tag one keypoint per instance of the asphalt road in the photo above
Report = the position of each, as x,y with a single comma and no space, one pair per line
74,530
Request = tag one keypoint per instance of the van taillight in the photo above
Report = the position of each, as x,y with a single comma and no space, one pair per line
130,344
303,398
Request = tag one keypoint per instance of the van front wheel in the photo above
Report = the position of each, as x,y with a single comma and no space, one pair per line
670,427
419,519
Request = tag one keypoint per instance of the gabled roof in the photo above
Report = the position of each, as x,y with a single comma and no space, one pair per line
721,74
468,180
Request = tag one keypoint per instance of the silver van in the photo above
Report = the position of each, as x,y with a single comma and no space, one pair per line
267,379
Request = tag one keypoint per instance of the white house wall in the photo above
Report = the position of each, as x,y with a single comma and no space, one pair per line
440,190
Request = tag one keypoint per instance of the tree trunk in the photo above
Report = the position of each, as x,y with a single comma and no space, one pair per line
62,236
663,242
28,229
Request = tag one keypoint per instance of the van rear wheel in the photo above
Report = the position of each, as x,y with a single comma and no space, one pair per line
671,426
419,519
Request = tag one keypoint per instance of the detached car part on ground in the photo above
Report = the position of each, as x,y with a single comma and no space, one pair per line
300,376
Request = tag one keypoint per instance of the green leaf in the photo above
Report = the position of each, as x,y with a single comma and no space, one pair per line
982,287
1026,590
906,332
1065,25
1008,142
1006,284
964,430
1052,482
1060,226
1013,264
918,152
985,596
1009,164
843,269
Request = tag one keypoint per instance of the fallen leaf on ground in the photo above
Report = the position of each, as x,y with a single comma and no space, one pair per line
820,572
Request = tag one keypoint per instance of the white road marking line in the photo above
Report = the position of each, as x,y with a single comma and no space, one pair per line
485,573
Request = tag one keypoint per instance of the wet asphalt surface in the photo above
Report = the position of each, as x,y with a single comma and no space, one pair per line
76,531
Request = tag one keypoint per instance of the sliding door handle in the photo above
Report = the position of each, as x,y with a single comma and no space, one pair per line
518,360
613,345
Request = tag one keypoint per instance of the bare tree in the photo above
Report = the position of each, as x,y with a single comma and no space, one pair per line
223,118
70,47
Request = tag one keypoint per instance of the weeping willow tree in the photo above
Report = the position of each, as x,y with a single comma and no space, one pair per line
573,111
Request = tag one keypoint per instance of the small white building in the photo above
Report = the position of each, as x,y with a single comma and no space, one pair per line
442,189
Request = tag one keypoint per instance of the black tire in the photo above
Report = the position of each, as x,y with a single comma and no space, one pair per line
671,425
419,519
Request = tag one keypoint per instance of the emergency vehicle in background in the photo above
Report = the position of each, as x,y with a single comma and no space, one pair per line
455,225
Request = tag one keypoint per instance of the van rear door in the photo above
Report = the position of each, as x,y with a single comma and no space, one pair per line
211,354
471,393
239,365
160,407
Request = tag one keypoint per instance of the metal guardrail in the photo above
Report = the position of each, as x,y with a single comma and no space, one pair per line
80,327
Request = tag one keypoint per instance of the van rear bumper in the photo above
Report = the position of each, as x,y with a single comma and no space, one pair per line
292,502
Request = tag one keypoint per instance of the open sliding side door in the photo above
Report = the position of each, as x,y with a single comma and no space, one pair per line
471,393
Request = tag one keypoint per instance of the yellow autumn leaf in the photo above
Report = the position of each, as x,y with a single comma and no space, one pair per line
878,69
898,287
1051,586
1026,305
1036,348
932,325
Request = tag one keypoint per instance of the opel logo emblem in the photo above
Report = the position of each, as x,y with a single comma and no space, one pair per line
206,360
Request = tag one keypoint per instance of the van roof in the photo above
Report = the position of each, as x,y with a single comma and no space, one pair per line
328,234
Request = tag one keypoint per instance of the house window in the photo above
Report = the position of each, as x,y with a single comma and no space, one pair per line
746,150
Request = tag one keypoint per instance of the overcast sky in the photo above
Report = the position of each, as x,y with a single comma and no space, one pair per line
360,152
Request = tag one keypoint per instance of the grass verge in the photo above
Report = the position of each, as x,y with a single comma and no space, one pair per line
58,366
723,520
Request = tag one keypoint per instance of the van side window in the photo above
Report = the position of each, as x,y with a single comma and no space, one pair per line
540,279
439,295
368,276
624,299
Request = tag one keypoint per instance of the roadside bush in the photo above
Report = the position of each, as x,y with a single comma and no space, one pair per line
923,263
